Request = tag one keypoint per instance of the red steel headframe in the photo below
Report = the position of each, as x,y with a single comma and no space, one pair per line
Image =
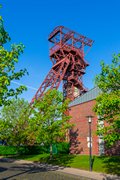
67,56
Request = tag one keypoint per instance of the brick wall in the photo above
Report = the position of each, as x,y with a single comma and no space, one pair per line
80,132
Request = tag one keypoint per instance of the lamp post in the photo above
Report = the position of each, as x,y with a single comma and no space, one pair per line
90,142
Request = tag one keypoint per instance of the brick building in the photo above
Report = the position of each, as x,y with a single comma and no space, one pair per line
79,135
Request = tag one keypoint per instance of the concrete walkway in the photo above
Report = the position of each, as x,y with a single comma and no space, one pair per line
72,171
91,175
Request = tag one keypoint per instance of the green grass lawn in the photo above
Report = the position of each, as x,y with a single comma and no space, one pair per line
100,164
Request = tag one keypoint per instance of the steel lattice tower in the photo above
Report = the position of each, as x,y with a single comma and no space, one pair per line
67,56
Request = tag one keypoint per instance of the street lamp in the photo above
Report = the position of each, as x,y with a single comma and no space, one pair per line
90,142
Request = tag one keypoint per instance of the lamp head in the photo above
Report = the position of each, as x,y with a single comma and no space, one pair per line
89,118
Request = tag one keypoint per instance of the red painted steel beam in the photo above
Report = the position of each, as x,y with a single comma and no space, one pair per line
68,63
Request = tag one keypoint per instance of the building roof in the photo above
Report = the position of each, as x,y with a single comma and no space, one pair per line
88,96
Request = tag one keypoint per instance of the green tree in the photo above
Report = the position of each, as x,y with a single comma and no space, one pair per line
14,123
108,102
8,60
50,122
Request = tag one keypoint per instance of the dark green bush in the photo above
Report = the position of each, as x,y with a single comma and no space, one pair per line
13,150
59,148
63,148
29,150
8,150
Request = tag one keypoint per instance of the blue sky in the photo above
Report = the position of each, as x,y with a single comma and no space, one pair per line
30,22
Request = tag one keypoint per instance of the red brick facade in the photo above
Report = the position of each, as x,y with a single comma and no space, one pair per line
80,132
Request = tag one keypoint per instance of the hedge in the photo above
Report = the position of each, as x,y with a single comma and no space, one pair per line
8,150
59,148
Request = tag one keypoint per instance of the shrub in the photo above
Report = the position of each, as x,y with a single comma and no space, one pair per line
59,148
8,150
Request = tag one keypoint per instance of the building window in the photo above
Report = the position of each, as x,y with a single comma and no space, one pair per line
101,145
101,140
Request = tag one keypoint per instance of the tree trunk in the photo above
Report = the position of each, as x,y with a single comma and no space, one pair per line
51,151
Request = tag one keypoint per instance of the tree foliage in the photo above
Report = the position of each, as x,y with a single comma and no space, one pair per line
50,122
108,102
8,60
44,123
14,123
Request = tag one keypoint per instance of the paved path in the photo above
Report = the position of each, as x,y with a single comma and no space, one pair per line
89,175
26,170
